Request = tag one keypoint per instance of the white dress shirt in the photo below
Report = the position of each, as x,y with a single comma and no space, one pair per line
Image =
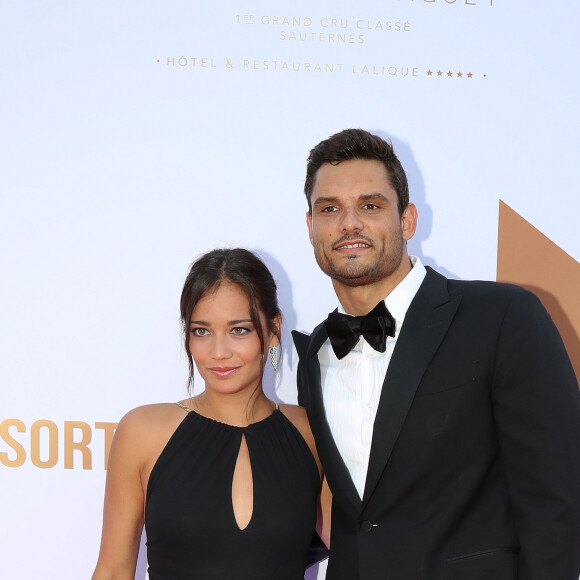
351,387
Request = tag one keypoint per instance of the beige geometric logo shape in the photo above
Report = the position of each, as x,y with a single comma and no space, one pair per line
525,256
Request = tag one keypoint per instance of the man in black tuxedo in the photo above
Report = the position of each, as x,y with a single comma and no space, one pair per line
448,422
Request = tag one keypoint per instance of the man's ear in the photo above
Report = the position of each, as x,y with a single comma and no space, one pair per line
309,224
409,221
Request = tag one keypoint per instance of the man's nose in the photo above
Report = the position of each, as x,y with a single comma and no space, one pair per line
351,221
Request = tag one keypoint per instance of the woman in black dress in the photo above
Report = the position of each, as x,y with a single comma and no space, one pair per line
227,483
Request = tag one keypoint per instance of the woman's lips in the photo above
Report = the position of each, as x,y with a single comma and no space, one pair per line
223,372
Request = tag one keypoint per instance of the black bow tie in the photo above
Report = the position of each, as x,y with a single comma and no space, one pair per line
344,330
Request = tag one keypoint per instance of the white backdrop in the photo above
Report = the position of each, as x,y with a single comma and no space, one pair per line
135,136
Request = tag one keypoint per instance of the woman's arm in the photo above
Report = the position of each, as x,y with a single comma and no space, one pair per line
300,420
123,513
323,513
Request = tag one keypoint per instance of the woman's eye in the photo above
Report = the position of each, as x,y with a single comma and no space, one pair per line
239,330
199,331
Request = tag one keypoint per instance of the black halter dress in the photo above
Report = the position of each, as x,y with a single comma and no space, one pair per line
192,533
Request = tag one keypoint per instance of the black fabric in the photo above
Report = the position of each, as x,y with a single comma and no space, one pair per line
474,467
344,330
191,529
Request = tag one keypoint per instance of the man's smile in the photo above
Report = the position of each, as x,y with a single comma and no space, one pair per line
352,246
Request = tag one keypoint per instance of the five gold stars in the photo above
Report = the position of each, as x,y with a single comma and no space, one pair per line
451,74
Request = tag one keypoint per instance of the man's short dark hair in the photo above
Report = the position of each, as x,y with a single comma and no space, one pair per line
357,144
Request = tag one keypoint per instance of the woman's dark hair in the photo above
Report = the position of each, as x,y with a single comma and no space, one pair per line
240,267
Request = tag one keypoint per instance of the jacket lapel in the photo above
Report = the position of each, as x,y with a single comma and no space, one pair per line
337,474
426,323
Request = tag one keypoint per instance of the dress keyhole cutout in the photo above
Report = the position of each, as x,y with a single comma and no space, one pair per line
243,487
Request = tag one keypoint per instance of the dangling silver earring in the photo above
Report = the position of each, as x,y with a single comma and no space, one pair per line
274,357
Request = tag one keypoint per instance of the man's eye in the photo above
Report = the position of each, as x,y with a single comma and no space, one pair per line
370,206
328,209
239,330
199,331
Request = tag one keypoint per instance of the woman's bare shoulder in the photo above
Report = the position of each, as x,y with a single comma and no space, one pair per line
151,415
149,424
297,416
141,436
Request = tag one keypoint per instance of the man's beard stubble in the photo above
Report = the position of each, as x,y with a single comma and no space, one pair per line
354,274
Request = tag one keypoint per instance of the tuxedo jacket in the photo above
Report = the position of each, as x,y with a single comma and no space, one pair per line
474,469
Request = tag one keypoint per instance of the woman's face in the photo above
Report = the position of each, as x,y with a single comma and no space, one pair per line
224,342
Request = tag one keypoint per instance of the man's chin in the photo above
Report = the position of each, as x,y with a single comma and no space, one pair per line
349,272
351,282
352,279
